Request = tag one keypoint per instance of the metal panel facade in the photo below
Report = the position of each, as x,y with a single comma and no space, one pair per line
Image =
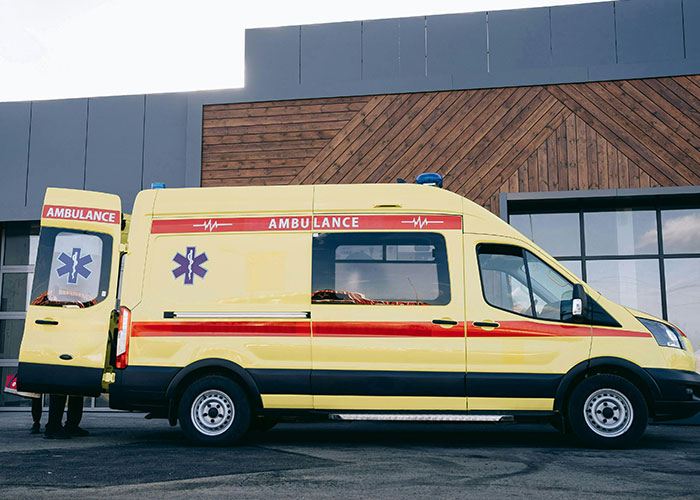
331,52
649,30
57,148
583,34
14,151
164,140
456,44
115,146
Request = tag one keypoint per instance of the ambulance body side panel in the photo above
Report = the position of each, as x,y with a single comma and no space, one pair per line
66,333
391,356
633,342
379,356
514,360
216,288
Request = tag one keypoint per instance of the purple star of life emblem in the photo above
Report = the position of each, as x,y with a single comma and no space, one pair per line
190,265
74,265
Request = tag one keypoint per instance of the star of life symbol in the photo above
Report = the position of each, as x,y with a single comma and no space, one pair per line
420,222
74,266
211,225
190,265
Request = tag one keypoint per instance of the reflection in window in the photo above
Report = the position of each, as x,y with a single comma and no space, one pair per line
21,241
508,284
681,231
632,283
621,233
10,338
380,269
574,266
549,288
558,234
14,292
504,280
683,296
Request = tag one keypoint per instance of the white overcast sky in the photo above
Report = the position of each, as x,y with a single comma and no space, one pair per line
53,49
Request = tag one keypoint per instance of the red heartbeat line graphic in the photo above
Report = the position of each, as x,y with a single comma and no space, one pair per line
420,222
211,225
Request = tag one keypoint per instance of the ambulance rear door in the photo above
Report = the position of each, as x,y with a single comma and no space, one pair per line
74,292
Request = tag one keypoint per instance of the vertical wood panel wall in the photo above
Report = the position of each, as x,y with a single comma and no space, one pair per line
604,135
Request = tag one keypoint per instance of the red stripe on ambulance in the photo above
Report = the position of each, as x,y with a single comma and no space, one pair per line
81,213
307,223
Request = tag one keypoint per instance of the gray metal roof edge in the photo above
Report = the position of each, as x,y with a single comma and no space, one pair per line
602,193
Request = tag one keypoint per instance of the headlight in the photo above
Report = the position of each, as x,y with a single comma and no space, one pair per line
665,335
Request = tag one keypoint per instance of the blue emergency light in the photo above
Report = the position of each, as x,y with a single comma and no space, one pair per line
430,179
157,185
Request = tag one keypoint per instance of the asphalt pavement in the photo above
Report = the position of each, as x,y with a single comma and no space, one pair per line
127,456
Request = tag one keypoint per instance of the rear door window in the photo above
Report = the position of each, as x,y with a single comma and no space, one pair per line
72,268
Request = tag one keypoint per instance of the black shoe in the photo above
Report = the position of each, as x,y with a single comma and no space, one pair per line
75,431
59,433
36,428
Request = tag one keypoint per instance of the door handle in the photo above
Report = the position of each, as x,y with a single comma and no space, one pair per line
46,322
445,322
486,324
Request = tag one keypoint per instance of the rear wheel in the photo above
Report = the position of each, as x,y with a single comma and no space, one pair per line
607,411
214,411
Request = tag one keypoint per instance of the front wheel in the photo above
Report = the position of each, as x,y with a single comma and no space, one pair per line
607,411
214,411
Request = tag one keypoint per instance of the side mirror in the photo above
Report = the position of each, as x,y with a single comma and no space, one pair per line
575,309
579,303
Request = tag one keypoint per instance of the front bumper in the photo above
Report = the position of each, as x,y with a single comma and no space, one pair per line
680,393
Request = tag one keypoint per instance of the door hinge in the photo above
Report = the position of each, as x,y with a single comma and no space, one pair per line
108,377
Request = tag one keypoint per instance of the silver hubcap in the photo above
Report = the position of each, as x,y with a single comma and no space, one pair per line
213,412
608,413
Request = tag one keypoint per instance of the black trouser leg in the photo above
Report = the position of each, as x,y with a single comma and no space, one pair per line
36,410
56,404
75,411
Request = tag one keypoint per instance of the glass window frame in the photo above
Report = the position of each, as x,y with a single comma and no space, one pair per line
524,251
436,239
612,204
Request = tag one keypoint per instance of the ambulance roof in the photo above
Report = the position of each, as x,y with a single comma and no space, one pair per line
325,198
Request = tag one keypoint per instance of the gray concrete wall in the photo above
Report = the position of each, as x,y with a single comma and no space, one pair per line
122,144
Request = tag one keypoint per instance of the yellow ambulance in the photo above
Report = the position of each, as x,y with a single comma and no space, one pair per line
229,309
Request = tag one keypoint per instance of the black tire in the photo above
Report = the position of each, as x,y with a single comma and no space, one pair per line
262,424
214,411
607,411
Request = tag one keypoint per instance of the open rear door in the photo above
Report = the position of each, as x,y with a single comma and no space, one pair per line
65,338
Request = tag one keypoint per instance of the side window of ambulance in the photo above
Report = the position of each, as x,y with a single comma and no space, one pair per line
380,269
516,280
72,268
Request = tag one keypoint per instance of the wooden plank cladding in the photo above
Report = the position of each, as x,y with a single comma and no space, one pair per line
601,135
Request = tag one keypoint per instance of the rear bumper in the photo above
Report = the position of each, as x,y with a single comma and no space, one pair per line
59,379
141,388
680,393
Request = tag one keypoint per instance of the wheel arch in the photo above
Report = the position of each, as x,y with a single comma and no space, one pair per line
607,365
211,366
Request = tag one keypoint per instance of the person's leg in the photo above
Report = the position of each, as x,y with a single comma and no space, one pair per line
75,413
54,429
36,415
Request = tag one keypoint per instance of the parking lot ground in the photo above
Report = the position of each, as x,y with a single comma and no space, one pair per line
127,456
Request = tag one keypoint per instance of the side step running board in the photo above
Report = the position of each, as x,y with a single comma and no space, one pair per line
437,417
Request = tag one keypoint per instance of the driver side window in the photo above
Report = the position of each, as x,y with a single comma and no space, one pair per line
516,280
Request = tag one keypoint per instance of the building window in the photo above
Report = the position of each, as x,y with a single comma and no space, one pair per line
18,246
646,257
